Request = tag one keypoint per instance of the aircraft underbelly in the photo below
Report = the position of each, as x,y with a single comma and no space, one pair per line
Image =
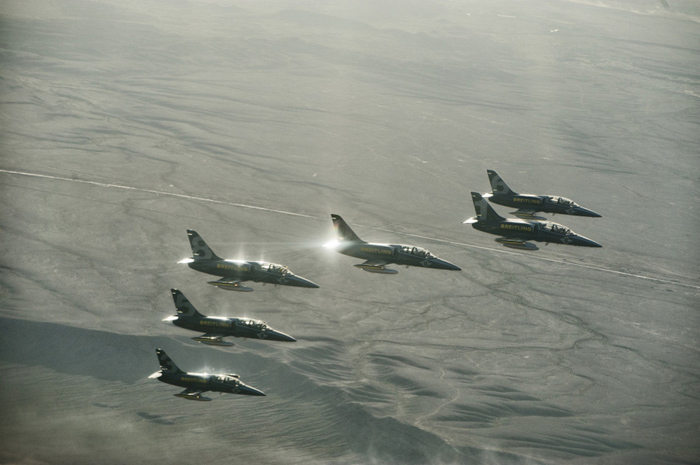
516,243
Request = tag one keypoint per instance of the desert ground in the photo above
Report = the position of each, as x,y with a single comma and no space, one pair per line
124,123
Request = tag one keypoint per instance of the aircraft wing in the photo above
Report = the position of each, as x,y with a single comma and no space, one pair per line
374,263
193,394
213,339
516,243
376,266
528,214
230,285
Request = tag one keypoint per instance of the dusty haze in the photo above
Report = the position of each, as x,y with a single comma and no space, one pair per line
126,122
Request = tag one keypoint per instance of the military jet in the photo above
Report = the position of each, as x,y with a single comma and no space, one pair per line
528,204
216,328
234,272
377,256
197,383
516,232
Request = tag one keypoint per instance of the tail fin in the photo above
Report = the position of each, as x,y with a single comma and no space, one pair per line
184,307
342,231
166,364
200,249
498,185
484,211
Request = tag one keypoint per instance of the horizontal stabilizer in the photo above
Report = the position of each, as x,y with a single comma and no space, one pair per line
231,286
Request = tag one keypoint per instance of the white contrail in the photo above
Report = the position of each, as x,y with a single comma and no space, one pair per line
171,194
561,262
283,212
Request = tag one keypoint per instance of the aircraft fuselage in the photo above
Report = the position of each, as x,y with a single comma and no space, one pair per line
207,382
534,231
236,327
394,253
541,203
259,272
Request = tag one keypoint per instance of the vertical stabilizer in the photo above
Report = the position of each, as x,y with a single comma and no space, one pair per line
498,185
200,249
166,364
484,211
184,307
343,232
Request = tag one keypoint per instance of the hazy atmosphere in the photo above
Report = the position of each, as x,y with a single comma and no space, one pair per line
124,123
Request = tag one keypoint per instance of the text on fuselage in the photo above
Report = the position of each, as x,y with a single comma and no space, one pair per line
376,250
517,227
527,200
223,266
218,324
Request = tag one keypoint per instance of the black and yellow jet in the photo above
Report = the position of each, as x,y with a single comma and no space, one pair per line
234,272
197,383
377,256
528,204
216,327
516,232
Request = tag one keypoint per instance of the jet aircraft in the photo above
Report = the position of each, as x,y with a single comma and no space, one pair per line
528,204
234,272
197,383
216,328
377,256
516,232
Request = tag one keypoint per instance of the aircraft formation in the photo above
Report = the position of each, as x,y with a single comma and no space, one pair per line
512,232
516,232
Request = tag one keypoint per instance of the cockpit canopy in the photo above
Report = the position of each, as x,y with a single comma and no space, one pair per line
416,251
253,324
563,201
274,268
230,378
556,228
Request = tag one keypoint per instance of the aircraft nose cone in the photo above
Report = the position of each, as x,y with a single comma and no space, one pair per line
250,390
586,242
580,211
274,335
298,281
445,265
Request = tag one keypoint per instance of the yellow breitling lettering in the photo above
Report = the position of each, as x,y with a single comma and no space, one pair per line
220,324
375,250
517,227
223,266
526,200
193,380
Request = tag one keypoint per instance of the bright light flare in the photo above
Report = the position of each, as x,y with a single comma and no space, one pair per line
332,244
